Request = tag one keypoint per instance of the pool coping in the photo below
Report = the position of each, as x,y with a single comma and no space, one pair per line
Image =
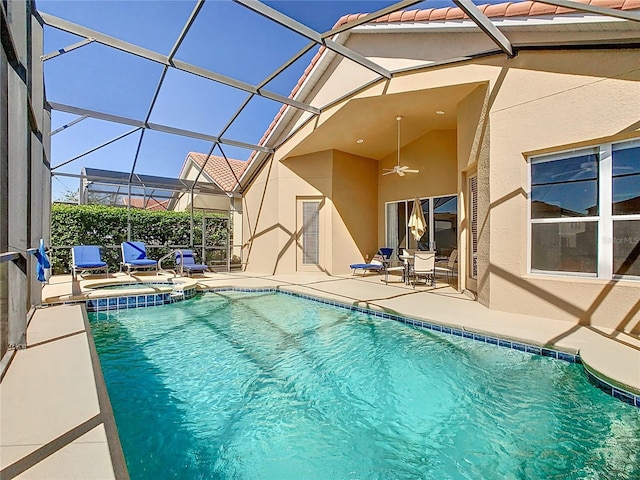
120,470
600,381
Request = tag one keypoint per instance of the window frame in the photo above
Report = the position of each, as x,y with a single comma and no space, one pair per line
604,220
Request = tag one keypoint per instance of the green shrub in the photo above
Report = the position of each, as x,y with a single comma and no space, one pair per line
161,231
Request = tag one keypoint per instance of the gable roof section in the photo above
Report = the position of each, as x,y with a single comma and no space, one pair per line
499,10
217,169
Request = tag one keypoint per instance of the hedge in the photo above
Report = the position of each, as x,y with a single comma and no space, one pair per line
107,226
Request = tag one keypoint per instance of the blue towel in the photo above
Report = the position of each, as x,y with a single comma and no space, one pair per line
43,262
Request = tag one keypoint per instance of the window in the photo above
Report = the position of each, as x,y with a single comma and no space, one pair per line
579,202
441,232
310,233
626,208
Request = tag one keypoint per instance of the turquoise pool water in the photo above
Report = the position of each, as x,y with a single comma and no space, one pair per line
269,386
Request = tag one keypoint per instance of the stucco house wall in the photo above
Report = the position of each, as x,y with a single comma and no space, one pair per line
538,102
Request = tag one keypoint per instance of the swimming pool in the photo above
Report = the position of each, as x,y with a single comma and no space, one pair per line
269,386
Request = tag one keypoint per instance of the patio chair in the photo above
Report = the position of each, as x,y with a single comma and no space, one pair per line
424,264
134,256
405,259
186,262
386,252
87,257
450,267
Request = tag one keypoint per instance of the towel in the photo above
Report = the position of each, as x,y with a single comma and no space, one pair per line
43,263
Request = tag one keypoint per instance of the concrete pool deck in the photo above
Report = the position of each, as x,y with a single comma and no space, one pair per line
56,422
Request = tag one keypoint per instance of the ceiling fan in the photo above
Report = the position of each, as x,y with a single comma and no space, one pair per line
400,170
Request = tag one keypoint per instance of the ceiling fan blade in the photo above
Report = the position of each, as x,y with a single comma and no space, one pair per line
411,171
400,172
389,172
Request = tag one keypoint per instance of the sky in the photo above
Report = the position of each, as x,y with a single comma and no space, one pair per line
226,38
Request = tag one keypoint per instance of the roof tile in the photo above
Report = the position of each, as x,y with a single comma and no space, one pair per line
423,15
454,14
497,10
543,9
518,9
217,168
151,203
396,16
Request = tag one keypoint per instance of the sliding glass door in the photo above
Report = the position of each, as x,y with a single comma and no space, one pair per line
441,232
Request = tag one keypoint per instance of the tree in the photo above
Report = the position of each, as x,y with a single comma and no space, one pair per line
68,196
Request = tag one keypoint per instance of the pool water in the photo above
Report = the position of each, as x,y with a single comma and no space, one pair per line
269,386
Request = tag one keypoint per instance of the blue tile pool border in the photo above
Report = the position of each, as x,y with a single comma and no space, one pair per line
148,300
135,301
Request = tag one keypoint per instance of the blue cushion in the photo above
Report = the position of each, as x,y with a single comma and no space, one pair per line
143,261
86,254
194,267
90,264
373,266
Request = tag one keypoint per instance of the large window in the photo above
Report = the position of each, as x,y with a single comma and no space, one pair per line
441,232
585,211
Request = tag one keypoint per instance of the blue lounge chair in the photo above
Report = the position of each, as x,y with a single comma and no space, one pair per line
87,257
186,262
134,256
376,264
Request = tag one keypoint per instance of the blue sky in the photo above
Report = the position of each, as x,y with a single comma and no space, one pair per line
226,38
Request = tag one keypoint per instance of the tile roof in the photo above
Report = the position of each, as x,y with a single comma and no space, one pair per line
500,10
152,204
217,169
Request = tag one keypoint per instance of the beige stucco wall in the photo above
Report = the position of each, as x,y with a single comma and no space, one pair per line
355,220
434,154
554,101
537,101
348,186
260,222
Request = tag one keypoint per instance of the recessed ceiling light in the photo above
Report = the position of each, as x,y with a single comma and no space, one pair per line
360,140
439,112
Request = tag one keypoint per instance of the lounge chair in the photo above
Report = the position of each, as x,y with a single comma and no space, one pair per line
376,264
424,264
185,261
450,267
134,256
87,257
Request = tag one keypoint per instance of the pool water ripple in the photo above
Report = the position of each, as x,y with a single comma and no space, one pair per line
268,386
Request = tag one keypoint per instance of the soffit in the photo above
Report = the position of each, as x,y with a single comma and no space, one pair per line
374,121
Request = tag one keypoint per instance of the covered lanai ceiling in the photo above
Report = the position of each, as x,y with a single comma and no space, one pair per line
136,86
